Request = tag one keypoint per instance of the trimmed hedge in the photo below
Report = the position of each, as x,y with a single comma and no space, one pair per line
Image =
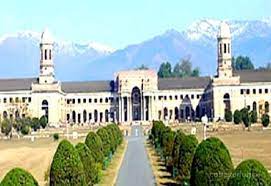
265,120
94,143
19,177
250,172
186,154
90,167
106,141
178,141
228,116
237,117
212,164
67,168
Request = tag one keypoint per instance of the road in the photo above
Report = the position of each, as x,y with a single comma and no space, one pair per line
135,169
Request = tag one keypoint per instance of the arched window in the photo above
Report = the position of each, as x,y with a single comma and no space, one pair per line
5,115
45,108
106,115
254,106
225,48
45,54
95,116
176,113
266,107
84,116
73,116
165,113
227,102
17,114
220,48
50,54
101,117
79,118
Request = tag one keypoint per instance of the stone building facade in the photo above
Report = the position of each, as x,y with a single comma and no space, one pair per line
135,95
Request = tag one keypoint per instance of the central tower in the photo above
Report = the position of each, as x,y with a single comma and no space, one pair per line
47,75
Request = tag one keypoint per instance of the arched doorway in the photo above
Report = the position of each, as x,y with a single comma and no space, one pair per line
45,109
73,116
5,115
95,116
84,116
176,113
17,114
266,107
165,113
254,106
106,114
136,104
227,102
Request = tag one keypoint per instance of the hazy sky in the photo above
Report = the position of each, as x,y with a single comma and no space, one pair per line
120,22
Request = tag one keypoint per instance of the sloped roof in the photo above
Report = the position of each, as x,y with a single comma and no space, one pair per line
86,86
183,83
17,84
251,76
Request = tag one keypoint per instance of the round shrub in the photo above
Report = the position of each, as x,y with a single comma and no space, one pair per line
19,177
186,153
67,168
265,120
253,116
245,117
250,172
94,143
43,121
35,124
228,116
167,143
104,135
90,167
237,117
176,148
211,164
56,136
6,126
25,129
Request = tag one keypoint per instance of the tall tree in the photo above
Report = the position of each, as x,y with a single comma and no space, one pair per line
165,70
186,68
242,63
142,67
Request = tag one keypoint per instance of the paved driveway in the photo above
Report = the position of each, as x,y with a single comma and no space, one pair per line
135,169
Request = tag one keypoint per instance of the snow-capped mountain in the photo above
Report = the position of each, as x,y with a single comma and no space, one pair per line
19,53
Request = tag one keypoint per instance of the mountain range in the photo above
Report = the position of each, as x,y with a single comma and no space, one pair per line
19,52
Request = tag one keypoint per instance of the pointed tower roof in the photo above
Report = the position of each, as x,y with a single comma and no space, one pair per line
46,37
224,31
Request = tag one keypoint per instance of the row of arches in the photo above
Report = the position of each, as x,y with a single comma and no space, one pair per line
90,117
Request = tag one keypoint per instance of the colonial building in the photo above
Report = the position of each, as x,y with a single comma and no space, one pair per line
136,95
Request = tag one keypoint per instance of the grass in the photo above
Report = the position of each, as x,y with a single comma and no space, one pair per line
109,175
162,176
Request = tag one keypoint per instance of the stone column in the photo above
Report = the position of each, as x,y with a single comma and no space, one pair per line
119,117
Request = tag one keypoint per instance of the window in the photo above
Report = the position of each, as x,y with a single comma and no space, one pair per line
78,101
68,101
170,97
176,97
89,116
23,99
89,100
248,91
106,100
225,48
95,100
266,91
220,48
198,96
242,91
192,96
45,54
5,100
181,96
254,91
84,100
160,97
10,100
260,91
29,100
73,101
165,97
101,100
50,54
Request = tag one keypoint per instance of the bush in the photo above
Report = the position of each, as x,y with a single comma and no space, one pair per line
25,129
228,116
156,132
176,148
94,143
250,172
56,136
104,135
67,168
167,144
6,126
19,177
186,153
265,120
90,167
35,124
211,164
245,117
43,121
253,116
237,117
